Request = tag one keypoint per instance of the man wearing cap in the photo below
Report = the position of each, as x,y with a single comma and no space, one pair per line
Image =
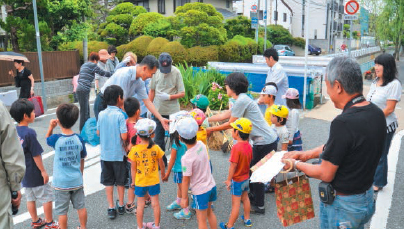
276,74
166,87
131,80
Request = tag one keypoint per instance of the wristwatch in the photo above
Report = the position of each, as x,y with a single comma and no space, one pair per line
295,164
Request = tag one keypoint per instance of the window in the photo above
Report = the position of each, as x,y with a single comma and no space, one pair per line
200,1
144,3
162,6
228,2
180,3
285,17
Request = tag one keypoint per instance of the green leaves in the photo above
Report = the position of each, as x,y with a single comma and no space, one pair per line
142,20
239,26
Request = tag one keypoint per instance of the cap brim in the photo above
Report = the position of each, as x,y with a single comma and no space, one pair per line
165,70
233,125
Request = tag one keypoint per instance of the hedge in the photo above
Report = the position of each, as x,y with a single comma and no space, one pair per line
156,45
93,46
238,49
299,42
137,46
177,51
199,56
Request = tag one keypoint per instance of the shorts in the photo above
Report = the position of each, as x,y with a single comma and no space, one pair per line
237,188
177,178
128,183
63,198
201,202
152,190
43,194
113,173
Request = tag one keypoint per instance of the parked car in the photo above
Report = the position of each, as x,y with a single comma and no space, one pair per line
314,50
284,50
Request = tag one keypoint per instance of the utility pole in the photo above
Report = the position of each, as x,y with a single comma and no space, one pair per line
332,25
266,21
85,44
350,38
276,12
39,48
306,53
257,30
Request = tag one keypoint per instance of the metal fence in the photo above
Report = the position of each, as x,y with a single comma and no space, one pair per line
56,65
357,53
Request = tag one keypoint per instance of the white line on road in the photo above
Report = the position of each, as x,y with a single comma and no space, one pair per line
385,197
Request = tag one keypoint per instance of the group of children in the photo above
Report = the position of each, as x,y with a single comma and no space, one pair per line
130,158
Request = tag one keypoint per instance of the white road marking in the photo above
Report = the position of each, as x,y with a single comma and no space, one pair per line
92,171
385,197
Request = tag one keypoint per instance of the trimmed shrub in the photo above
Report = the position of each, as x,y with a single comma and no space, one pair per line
177,52
278,35
261,45
137,46
199,56
238,49
142,20
93,46
128,8
240,25
159,28
156,45
299,42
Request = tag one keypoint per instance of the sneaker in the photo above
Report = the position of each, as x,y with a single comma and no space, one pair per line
257,210
173,206
247,222
121,209
52,225
224,226
152,226
181,215
112,213
147,203
131,208
38,224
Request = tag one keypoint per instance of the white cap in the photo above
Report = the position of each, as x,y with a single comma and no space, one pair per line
269,90
175,118
145,127
187,128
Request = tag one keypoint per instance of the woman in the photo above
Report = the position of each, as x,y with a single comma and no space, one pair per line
385,92
23,79
86,77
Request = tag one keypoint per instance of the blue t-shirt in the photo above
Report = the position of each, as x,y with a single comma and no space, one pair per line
180,152
69,151
111,124
32,148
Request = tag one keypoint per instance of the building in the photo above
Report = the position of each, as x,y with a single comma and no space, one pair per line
168,7
3,15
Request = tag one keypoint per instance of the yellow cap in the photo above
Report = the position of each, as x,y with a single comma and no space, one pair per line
243,125
279,110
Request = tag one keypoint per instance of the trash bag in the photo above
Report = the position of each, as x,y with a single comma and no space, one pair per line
89,132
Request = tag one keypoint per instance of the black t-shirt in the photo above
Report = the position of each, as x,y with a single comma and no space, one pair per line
24,82
355,145
32,148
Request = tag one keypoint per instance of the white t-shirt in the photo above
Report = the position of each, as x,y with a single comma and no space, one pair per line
379,96
283,133
293,123
277,75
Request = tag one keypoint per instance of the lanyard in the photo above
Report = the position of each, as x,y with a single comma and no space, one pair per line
357,99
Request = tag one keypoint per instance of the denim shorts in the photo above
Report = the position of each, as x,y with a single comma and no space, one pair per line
201,202
177,178
237,188
152,190
352,211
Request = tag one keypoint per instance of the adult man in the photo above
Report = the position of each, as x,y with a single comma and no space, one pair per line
102,63
131,80
166,87
352,152
276,74
12,167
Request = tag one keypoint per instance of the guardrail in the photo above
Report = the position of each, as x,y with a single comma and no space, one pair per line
357,53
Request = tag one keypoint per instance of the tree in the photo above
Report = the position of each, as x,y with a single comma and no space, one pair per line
347,31
277,34
239,26
141,21
116,28
199,24
160,28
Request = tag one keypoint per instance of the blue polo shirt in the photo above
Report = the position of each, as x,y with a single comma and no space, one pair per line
111,124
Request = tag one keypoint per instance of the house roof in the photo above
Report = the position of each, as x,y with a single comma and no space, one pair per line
226,13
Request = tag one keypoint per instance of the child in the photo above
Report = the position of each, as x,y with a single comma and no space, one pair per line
196,174
293,103
111,127
36,178
239,172
68,164
132,109
200,117
178,149
279,116
267,97
201,102
146,157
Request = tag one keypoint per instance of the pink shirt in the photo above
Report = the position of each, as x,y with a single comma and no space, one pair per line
195,164
74,82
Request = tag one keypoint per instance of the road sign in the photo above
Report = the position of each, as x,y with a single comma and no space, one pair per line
352,7
254,22
350,17
265,14
254,7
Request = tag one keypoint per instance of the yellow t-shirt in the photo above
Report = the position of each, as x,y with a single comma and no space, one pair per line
202,136
147,161
268,116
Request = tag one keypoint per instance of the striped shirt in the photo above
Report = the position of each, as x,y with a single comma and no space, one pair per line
87,75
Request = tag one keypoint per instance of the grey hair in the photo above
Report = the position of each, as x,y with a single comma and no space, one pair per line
347,72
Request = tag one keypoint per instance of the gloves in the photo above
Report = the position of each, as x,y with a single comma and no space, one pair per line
163,96
126,60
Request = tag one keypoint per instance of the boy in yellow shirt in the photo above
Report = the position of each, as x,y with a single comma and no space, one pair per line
267,97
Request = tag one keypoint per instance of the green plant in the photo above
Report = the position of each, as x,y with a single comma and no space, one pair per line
156,45
238,49
299,42
159,28
177,51
188,79
93,46
240,25
142,20
277,34
137,46
261,45
218,99
199,56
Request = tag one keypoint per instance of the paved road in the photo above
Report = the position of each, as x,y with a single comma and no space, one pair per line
315,132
